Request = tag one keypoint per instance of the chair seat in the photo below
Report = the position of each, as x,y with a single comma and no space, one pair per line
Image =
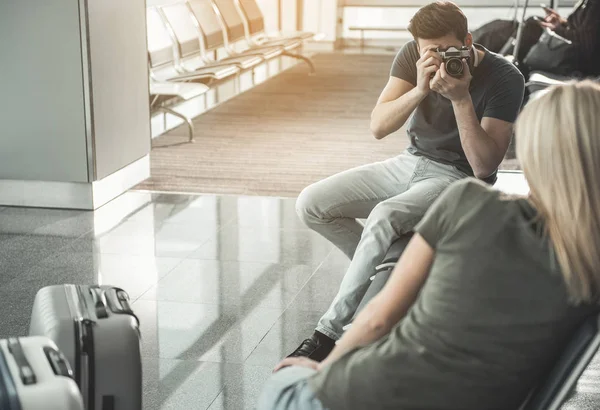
168,74
287,44
185,91
240,62
540,81
244,61
267,52
548,78
537,94
217,72
303,35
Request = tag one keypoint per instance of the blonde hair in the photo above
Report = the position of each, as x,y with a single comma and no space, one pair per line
558,145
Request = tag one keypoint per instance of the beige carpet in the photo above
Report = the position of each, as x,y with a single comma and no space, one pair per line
282,135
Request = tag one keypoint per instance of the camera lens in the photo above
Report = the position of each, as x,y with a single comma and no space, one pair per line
454,67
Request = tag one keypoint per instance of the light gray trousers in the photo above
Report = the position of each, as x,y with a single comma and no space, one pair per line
288,389
393,196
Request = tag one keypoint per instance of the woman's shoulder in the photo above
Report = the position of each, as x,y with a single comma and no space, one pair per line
475,200
471,191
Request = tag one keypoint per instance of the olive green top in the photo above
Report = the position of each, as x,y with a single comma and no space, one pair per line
491,318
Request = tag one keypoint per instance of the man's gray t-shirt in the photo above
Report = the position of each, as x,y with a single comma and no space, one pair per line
496,89
489,321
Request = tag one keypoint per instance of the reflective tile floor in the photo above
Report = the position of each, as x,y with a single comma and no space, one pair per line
224,286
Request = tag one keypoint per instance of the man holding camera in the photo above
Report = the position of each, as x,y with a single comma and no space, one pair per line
463,100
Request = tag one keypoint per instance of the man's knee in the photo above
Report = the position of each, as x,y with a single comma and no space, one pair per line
307,204
402,217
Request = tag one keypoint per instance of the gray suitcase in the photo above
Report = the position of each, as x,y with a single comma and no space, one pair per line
97,331
35,375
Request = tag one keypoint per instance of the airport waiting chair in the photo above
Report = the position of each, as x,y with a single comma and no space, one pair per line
163,94
164,57
213,35
255,26
563,377
539,82
190,42
167,85
237,29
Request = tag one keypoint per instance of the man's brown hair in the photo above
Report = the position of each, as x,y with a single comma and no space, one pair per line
437,20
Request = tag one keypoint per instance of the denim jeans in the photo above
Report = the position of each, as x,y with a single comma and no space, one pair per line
288,389
393,196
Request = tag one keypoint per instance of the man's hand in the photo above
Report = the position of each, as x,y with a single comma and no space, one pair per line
427,66
454,89
553,20
297,361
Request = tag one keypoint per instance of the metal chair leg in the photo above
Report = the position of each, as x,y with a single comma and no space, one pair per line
189,122
307,60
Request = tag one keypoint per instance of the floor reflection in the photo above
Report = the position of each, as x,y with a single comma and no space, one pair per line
212,277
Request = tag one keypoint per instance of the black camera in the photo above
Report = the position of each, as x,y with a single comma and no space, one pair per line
452,57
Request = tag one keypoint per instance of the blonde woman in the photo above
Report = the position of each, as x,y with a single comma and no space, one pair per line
488,291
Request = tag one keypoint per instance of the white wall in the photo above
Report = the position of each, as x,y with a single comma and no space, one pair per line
270,10
400,16
289,15
320,17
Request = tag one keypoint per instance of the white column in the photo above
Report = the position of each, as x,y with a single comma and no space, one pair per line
320,17
270,10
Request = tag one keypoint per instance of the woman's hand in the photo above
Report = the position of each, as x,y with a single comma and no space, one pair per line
297,361
553,20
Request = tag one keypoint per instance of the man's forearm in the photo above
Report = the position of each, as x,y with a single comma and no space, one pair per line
390,116
481,150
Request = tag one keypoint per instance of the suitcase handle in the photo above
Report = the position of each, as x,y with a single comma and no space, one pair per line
58,362
99,305
118,301
25,371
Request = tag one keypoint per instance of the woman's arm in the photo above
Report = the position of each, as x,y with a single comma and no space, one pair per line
391,304
582,27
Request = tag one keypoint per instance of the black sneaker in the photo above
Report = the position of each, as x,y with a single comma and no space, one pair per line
317,347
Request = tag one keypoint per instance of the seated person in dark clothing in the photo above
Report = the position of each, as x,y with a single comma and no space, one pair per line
488,291
582,27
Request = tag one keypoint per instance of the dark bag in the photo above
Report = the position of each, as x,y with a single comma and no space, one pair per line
552,54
